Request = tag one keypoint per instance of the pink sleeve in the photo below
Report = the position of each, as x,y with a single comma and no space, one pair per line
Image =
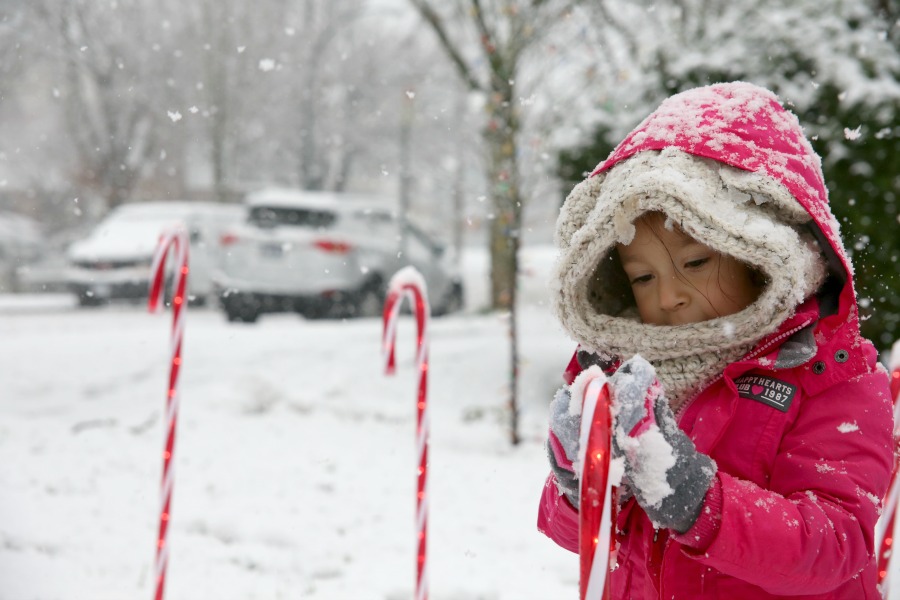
557,519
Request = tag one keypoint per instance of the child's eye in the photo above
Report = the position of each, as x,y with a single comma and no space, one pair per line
696,264
641,279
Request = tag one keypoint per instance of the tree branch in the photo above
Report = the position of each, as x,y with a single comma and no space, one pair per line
626,33
488,39
428,13
531,29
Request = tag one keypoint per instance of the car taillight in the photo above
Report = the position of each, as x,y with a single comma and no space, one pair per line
332,246
227,239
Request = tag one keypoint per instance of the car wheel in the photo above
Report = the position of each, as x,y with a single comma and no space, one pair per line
314,312
241,310
453,302
90,300
370,303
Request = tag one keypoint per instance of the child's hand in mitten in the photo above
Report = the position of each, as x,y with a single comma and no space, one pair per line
562,447
667,474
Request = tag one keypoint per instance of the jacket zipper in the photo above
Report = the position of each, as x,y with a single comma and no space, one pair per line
683,408
661,554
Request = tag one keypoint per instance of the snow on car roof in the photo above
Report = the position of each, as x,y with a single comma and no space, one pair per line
294,198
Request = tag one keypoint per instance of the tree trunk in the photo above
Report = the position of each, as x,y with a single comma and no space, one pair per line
405,188
500,136
218,90
311,166
503,189
458,185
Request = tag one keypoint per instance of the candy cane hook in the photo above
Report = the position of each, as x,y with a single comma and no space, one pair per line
408,283
176,238
597,512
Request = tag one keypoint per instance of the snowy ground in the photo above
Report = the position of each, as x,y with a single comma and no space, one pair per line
295,455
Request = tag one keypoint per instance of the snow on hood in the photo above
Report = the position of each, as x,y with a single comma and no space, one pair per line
131,231
121,240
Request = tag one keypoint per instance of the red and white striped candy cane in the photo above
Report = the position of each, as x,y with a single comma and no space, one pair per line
597,512
176,238
884,529
408,283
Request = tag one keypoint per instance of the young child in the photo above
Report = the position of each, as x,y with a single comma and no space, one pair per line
700,266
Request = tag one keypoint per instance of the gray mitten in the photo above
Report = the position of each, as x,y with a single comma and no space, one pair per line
562,447
667,474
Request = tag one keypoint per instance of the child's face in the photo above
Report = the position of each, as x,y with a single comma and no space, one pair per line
677,280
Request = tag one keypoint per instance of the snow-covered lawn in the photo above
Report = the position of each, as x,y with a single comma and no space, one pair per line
295,457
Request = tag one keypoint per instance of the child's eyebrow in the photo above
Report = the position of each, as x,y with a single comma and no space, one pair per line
626,257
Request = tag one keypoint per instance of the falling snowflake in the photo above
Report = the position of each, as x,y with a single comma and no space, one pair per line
175,116
852,134
266,64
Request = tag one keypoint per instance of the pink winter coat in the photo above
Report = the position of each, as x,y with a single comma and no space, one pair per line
801,476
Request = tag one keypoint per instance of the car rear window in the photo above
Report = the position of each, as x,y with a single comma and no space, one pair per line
268,216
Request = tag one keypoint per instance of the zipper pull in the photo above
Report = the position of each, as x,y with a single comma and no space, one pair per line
655,534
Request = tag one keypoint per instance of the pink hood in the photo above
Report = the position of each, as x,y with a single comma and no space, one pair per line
745,126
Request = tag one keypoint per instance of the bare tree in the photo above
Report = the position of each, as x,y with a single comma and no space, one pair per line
503,33
112,118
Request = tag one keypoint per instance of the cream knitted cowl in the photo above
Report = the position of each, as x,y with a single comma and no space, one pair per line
744,214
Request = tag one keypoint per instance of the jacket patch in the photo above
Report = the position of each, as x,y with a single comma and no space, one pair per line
768,390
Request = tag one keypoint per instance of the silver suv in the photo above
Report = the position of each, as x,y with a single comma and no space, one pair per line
325,255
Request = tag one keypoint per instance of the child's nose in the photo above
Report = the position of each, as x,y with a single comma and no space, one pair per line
672,293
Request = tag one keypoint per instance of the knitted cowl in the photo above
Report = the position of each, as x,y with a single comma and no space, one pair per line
747,215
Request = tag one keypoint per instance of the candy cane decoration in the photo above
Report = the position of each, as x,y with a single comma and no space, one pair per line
597,512
408,283
177,238
884,528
